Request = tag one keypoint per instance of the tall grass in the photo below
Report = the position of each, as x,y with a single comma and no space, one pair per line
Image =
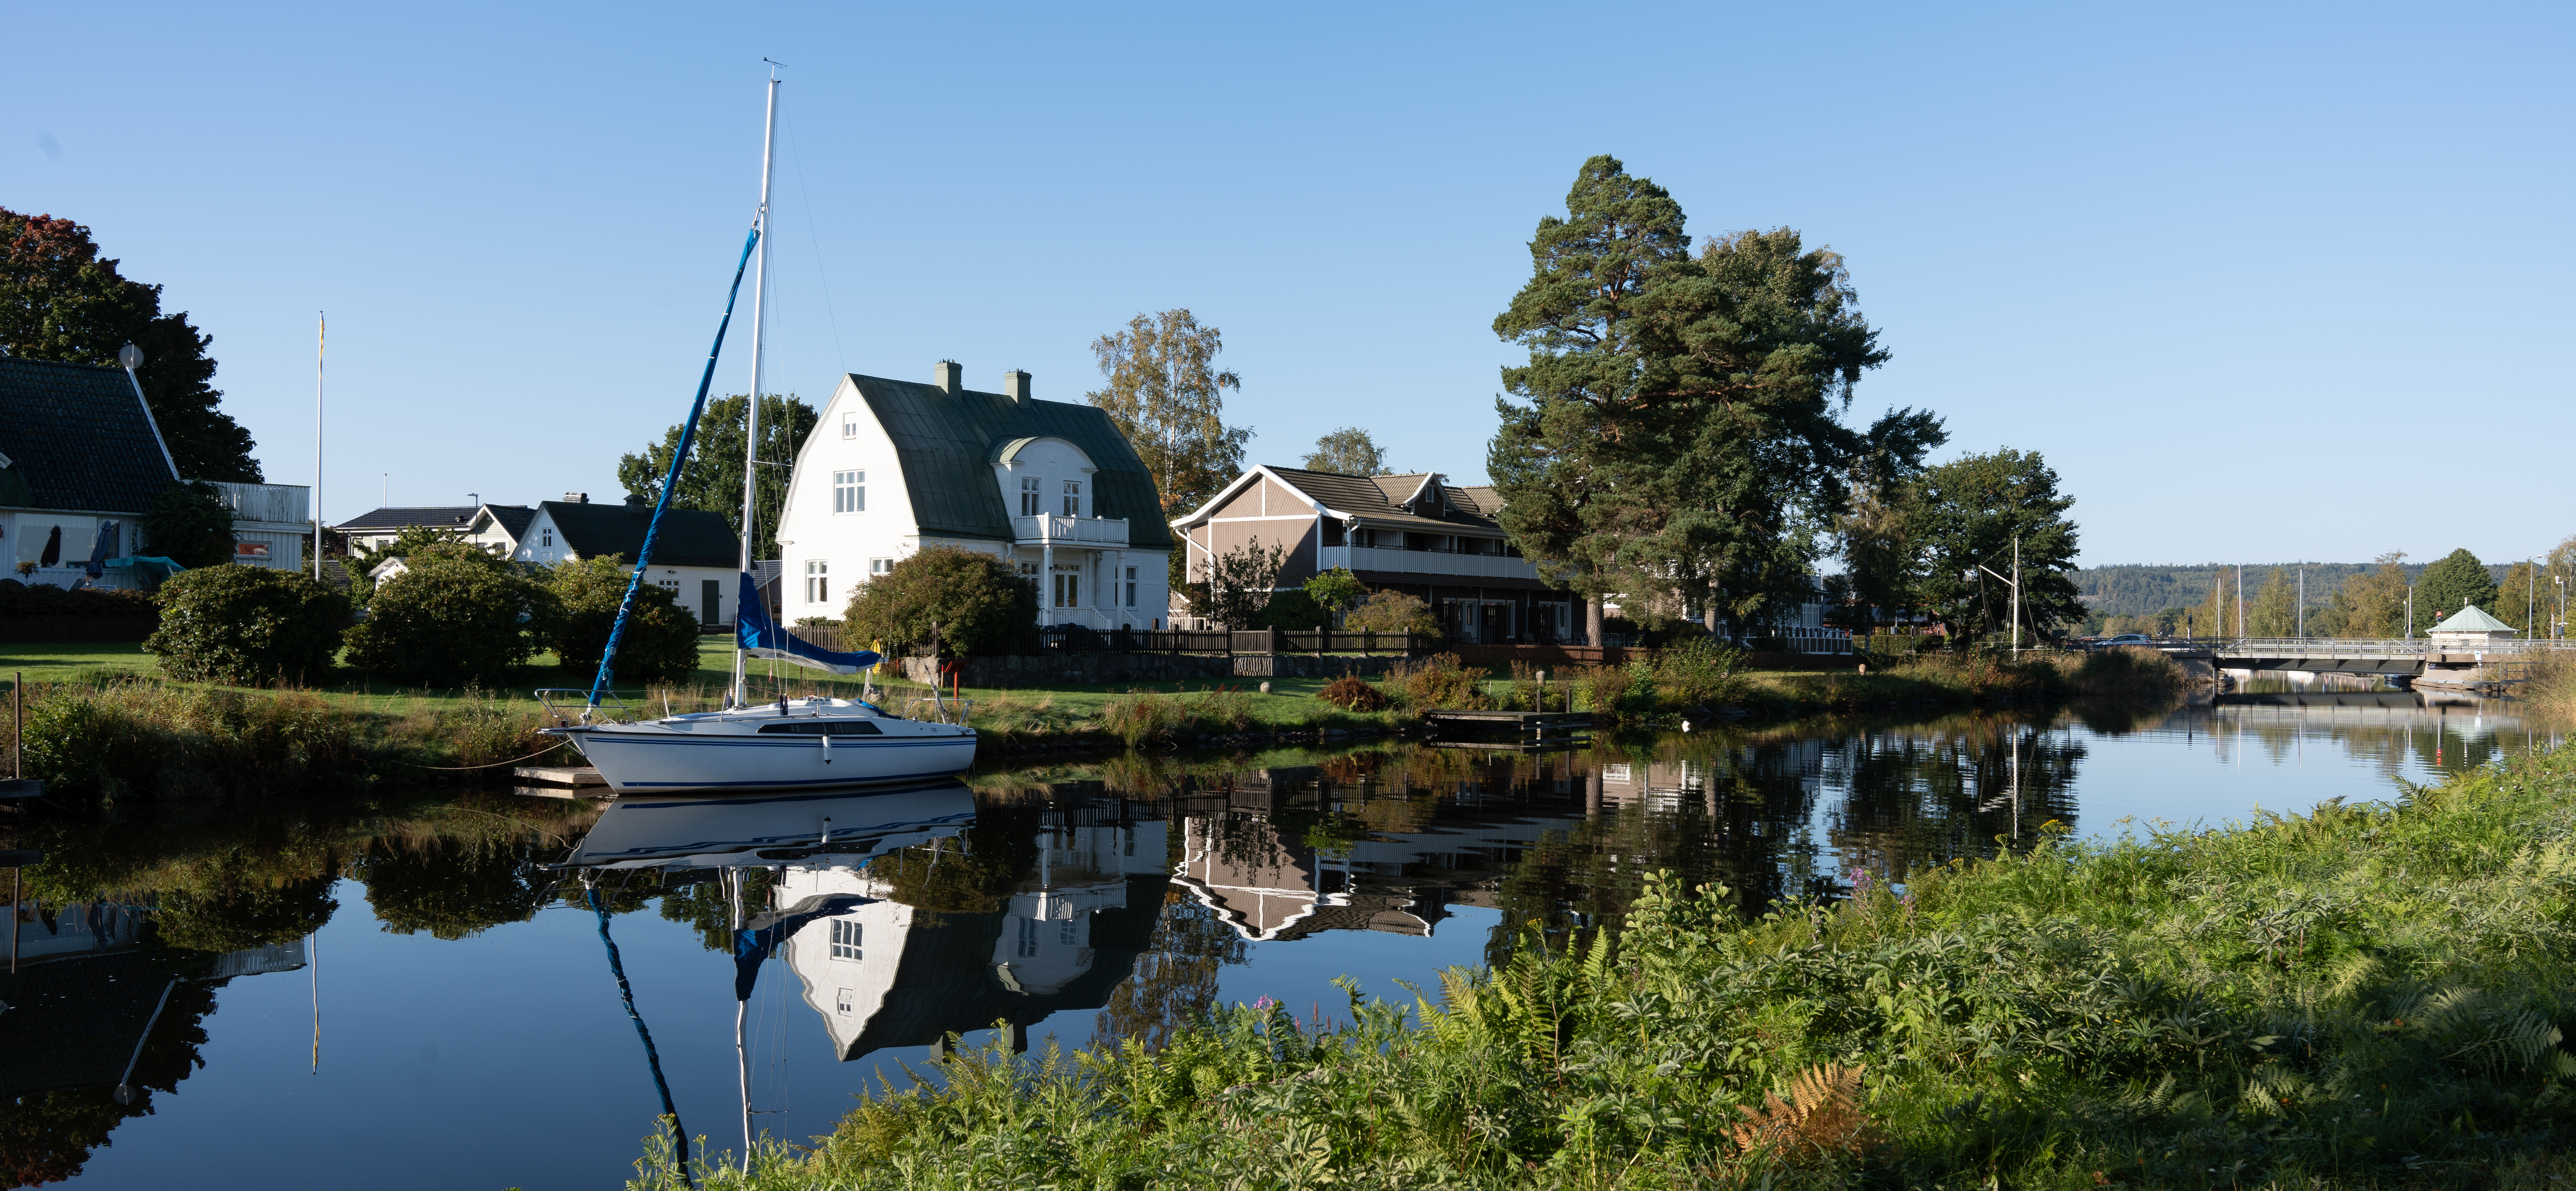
2361,996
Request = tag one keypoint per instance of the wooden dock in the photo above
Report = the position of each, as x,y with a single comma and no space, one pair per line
561,781
1526,729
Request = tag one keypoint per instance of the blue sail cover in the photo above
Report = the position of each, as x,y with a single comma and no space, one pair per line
760,637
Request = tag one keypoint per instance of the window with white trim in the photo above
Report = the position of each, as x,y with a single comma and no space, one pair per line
879,566
818,581
1073,498
1131,587
546,537
1028,948
1029,495
849,425
845,939
849,492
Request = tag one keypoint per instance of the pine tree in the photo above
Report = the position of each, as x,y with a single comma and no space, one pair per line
2458,580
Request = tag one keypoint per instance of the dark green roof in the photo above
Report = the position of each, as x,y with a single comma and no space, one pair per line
76,438
947,443
690,537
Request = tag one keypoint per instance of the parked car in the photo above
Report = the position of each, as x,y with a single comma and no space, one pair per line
2122,639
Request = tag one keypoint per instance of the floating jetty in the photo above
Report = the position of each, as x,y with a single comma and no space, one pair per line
1525,729
560,781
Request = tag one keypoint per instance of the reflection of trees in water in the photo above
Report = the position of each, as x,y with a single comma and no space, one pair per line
1175,977
451,888
242,918
1914,799
46,1137
972,872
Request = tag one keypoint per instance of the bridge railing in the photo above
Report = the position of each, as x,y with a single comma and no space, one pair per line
2319,647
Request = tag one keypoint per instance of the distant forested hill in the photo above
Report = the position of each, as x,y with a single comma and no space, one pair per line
2139,590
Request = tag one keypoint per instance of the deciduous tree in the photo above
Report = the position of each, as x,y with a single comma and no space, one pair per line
189,524
661,639
1239,583
60,300
712,481
1349,451
1966,515
247,626
1166,394
454,616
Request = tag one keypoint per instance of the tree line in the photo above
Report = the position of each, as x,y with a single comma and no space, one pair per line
2383,602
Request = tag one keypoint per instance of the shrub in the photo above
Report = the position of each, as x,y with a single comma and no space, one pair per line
1139,716
1350,692
1606,690
167,739
1441,682
965,602
1392,612
1697,672
1898,644
1292,611
661,641
190,524
247,626
456,616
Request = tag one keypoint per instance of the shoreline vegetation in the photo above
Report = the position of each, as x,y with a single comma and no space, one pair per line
117,728
2365,995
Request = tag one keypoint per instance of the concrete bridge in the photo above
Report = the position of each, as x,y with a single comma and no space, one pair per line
2431,661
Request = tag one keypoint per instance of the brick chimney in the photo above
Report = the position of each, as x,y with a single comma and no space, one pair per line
1015,385
948,376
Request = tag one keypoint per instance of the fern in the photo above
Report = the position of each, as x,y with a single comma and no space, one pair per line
1821,1117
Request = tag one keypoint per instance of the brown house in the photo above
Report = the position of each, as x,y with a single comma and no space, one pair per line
1418,534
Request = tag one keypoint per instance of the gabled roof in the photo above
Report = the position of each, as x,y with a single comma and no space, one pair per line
690,537
435,517
1375,500
77,439
2473,619
513,520
947,442
945,983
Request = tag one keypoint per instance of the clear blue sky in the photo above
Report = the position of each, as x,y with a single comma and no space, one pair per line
2262,283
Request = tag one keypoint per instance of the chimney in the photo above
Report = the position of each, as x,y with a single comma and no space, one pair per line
576,498
1015,385
948,376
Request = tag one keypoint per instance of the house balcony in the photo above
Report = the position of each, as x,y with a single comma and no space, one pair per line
1427,562
1047,529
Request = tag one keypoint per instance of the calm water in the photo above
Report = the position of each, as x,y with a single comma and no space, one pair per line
470,1032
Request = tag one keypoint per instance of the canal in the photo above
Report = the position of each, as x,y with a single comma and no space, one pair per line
417,993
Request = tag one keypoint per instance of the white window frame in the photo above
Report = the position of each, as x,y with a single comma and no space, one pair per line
1131,587
849,425
1030,494
818,581
1073,498
849,492
879,566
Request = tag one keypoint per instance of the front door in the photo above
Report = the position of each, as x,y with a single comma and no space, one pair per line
1068,590
1495,625
711,594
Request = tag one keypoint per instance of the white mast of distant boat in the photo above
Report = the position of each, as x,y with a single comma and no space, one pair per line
751,426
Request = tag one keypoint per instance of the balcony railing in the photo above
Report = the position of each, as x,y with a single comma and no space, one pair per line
1428,562
1048,528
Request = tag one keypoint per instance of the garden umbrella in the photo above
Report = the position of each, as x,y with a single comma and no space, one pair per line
100,549
53,548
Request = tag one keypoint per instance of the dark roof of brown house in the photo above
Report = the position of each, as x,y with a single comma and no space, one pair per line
1380,500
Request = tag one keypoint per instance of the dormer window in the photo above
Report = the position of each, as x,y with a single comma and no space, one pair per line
1073,498
1029,489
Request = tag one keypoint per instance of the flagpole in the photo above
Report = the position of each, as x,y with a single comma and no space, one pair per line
321,341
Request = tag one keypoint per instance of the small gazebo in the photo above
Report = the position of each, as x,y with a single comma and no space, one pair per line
2471,627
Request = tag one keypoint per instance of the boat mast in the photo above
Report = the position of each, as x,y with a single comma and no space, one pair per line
751,425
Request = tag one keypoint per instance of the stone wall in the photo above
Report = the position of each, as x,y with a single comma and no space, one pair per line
1079,668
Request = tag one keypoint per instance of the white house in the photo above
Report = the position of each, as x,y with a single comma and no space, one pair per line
696,559
1052,486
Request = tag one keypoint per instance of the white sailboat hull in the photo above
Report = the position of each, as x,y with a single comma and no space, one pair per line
730,752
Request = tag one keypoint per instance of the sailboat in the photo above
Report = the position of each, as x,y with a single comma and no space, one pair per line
790,744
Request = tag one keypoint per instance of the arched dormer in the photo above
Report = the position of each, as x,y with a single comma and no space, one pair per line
1045,474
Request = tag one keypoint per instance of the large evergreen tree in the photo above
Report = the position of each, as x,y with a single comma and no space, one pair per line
60,300
2457,580
713,479
1678,424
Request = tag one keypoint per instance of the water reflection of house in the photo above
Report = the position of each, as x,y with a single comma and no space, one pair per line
1269,887
881,973
88,992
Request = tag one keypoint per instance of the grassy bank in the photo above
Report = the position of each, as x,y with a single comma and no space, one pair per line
2364,996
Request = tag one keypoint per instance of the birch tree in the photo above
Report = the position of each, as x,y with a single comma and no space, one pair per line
1167,395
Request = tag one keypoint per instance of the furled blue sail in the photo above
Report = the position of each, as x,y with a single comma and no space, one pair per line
761,637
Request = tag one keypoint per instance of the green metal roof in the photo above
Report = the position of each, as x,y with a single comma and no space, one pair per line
2473,619
947,443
